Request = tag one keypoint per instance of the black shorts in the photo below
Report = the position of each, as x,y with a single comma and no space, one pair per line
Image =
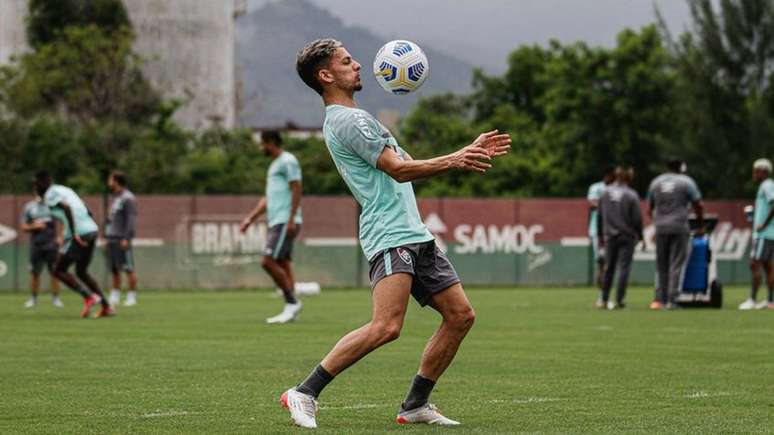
42,257
763,250
72,252
279,245
431,269
119,259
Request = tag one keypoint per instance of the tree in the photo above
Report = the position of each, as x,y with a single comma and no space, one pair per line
725,92
48,19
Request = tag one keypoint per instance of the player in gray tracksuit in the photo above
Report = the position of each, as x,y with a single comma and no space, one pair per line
621,226
119,233
669,197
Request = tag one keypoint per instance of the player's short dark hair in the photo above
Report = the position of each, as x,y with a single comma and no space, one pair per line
272,136
315,56
42,176
119,177
674,164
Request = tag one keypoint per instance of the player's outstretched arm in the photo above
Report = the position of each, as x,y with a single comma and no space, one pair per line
474,157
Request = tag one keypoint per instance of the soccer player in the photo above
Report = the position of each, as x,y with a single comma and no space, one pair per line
621,223
119,233
594,194
80,237
403,257
763,236
37,221
282,205
669,197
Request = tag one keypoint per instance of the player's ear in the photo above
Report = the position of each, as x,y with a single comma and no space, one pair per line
325,76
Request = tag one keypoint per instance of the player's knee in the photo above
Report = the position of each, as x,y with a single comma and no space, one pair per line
267,262
387,332
463,318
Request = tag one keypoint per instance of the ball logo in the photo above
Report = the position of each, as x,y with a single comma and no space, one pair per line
401,48
404,255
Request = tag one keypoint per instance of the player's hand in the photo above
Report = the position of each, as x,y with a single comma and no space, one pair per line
124,244
472,158
291,228
493,143
246,222
38,224
759,228
79,241
59,240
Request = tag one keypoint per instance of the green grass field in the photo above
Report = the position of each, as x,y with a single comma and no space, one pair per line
537,361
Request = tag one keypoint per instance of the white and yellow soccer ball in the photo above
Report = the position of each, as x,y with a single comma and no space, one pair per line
401,67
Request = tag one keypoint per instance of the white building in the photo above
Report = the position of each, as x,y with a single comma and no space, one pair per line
188,46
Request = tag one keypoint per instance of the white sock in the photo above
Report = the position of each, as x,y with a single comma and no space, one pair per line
131,295
115,294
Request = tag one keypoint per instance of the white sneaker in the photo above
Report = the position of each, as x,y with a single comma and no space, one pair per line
31,302
749,304
288,314
131,299
762,305
302,407
114,298
57,302
428,414
611,305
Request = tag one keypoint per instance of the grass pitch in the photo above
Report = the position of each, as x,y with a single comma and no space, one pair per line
538,360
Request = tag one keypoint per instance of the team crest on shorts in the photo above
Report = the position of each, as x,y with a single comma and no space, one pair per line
404,255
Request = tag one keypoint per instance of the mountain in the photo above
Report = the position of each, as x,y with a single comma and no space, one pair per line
272,95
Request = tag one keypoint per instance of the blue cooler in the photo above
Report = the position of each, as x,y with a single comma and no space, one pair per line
697,269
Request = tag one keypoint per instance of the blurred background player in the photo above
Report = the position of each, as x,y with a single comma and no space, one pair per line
594,194
763,236
38,222
403,257
80,237
669,197
282,205
621,227
119,232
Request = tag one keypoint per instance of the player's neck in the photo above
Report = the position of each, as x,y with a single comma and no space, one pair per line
340,98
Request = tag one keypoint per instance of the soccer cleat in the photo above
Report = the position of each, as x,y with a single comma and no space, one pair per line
288,314
762,305
31,302
105,312
656,305
88,304
749,304
427,414
302,407
57,302
130,302
615,305
600,304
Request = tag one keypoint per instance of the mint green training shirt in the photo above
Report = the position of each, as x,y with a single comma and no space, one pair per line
595,193
279,197
762,209
82,220
389,216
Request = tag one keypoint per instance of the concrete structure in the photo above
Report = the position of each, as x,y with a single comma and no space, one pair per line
13,39
188,46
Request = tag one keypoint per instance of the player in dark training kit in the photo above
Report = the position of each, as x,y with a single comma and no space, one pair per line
119,234
39,223
403,257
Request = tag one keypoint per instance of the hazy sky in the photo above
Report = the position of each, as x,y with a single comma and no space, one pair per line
483,32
